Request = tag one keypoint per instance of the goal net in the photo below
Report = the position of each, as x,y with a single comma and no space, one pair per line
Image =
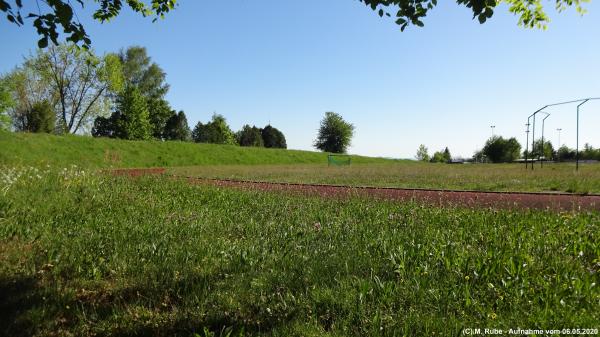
338,160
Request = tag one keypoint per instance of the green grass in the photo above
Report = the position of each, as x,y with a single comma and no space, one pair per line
86,255
40,149
482,177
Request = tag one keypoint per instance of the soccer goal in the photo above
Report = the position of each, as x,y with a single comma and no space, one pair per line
338,160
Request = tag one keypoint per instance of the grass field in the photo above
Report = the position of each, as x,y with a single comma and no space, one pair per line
28,149
481,177
89,255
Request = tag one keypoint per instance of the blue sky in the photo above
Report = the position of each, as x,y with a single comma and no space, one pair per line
288,62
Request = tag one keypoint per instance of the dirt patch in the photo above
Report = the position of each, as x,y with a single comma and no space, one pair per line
555,201
497,200
137,172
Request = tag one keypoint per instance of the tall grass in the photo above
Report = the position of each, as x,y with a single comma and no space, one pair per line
482,177
87,255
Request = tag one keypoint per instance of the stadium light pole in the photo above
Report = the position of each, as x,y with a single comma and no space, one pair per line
577,151
527,142
543,144
583,101
533,131
492,127
580,104
558,148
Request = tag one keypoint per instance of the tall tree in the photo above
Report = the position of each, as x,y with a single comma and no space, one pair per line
80,80
150,79
422,153
73,81
334,134
133,122
60,15
447,155
177,127
6,103
26,87
273,138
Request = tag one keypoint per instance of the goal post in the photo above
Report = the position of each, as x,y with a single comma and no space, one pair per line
338,160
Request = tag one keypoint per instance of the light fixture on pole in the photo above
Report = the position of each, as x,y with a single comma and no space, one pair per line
559,130
492,127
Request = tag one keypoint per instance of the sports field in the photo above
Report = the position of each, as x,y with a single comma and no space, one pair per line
87,253
408,174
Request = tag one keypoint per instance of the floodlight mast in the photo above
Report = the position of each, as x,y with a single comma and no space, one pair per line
577,151
532,135
583,101
527,142
543,144
580,104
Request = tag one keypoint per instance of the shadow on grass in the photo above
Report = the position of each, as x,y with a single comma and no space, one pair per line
18,295
28,308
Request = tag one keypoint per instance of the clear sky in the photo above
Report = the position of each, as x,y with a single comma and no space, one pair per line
288,62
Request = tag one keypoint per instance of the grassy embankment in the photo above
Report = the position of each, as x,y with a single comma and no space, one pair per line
25,149
233,162
83,255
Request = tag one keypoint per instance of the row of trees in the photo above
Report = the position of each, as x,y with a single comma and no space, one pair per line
438,156
218,132
65,89
500,150
68,88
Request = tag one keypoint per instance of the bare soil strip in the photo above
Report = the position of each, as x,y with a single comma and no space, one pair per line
474,199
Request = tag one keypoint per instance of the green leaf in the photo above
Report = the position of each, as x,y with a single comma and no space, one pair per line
43,42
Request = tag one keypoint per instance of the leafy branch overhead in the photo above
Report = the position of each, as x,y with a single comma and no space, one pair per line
51,14
530,12
48,15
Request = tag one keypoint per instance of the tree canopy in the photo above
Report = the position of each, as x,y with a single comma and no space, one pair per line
48,20
176,127
140,71
422,153
60,13
441,156
74,82
6,103
250,136
132,121
216,131
334,134
273,138
500,150
530,13
41,118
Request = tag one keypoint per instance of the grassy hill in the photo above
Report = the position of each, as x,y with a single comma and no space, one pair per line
41,149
